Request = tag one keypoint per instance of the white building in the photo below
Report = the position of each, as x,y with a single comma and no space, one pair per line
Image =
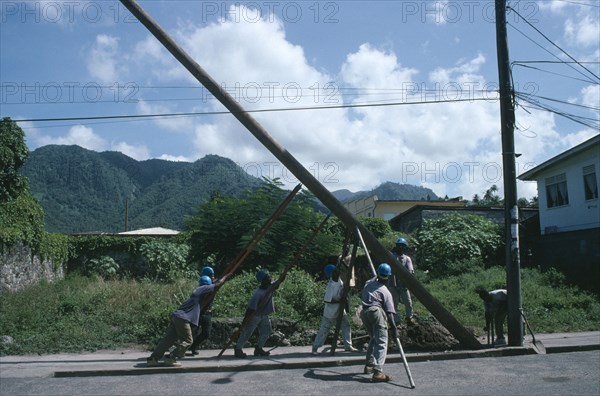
568,189
569,213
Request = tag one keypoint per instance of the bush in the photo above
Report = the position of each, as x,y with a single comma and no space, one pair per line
105,267
167,261
455,243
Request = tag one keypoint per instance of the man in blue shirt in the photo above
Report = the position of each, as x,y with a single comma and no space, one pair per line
179,332
260,306
377,310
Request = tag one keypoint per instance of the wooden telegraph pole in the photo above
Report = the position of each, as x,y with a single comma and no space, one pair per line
511,210
464,336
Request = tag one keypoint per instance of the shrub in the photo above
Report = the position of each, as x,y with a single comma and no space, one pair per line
105,267
167,261
456,242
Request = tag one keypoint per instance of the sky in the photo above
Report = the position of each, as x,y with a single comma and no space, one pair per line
364,91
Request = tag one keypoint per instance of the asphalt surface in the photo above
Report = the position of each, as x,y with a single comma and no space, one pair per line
133,362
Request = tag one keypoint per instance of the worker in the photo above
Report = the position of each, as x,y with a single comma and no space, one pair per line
260,306
377,311
333,295
397,287
203,330
495,305
179,332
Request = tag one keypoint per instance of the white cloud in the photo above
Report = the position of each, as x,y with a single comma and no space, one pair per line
590,96
583,31
139,153
102,61
79,135
453,148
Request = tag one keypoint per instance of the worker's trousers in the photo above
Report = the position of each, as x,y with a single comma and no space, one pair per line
326,324
401,294
263,322
375,322
179,333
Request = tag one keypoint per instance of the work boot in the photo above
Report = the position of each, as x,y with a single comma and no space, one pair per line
239,353
368,369
152,362
261,352
172,362
410,321
351,349
379,376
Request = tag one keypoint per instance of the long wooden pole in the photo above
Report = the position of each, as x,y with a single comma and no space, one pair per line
465,337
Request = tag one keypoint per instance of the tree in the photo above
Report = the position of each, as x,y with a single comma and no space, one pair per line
222,227
13,154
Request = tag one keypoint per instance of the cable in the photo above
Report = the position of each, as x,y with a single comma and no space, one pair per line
550,41
556,74
578,119
249,111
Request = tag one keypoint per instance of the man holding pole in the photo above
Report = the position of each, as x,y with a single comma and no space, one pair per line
377,310
332,299
257,314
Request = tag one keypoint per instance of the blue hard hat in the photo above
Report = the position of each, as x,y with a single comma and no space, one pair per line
205,280
384,270
329,268
208,271
401,241
262,274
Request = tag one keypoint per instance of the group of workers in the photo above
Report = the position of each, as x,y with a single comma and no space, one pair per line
190,324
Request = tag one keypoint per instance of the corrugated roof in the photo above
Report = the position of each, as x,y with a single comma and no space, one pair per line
151,231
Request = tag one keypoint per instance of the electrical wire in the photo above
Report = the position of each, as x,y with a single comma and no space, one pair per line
551,42
553,73
166,115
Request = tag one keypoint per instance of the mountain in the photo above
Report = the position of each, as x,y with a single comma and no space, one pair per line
389,191
86,191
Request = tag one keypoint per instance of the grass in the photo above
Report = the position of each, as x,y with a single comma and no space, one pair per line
86,314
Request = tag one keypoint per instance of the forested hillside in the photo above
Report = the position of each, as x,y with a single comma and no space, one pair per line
85,191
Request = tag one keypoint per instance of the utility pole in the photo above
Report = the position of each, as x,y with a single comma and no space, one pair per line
126,215
463,335
511,210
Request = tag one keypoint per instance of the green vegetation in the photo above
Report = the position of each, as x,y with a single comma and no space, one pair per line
21,216
81,313
86,191
456,243
223,226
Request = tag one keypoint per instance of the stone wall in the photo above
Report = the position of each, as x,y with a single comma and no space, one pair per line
19,268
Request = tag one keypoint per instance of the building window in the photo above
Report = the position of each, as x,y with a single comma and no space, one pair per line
590,185
556,191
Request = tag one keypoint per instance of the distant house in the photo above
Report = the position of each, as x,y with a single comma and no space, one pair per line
570,211
372,206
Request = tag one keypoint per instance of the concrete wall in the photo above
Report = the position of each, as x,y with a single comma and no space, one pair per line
19,268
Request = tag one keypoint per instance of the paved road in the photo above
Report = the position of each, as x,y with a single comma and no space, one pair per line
572,373
571,367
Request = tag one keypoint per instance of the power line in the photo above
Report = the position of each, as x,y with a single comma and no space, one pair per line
553,73
166,115
586,121
551,42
